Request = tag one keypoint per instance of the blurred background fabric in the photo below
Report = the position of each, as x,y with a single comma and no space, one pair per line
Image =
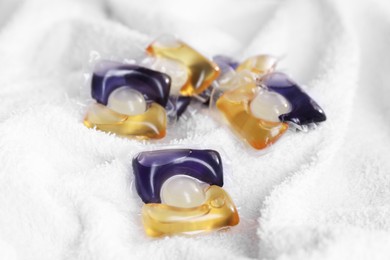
66,192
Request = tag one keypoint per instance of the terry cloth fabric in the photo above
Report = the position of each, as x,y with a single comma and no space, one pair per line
66,192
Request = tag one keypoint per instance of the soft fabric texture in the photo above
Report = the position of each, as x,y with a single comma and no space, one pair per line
67,192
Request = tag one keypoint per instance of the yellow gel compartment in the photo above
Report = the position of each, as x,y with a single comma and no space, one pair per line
234,105
217,212
201,71
149,125
260,64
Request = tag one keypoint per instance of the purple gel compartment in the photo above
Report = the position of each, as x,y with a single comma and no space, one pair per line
177,105
225,63
152,169
304,109
110,75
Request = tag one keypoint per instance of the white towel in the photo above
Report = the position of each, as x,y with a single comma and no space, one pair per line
66,192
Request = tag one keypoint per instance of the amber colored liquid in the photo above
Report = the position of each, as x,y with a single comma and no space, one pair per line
234,105
260,64
201,71
148,125
217,212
